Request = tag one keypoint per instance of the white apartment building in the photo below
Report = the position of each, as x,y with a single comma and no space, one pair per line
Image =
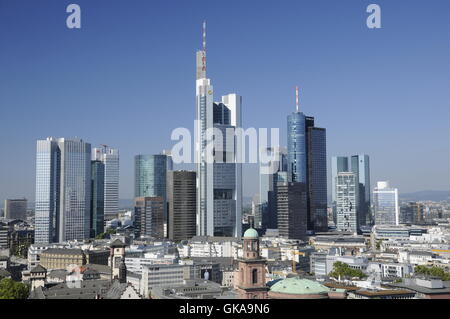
389,270
205,246
158,276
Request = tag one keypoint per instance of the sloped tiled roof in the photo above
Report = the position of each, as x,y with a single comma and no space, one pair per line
38,269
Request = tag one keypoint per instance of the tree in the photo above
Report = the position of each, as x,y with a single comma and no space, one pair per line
10,289
432,272
378,244
107,234
342,270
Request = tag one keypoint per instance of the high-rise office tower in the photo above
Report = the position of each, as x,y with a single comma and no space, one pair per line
268,180
292,210
63,190
110,159
338,164
150,177
307,164
296,136
97,197
386,208
16,208
360,166
47,190
149,217
317,179
150,172
182,203
412,212
219,175
346,198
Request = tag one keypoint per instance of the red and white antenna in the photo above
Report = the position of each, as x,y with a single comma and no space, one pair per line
296,98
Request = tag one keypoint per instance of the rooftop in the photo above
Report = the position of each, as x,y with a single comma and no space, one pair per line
63,251
38,269
298,286
380,293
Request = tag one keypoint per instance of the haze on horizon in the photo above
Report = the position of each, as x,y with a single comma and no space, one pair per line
127,79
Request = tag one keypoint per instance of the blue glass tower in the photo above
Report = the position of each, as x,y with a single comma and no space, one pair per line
307,164
296,124
150,175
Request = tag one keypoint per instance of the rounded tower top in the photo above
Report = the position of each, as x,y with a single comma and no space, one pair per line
251,234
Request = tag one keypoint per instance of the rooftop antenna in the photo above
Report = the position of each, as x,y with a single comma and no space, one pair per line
296,98
204,47
204,36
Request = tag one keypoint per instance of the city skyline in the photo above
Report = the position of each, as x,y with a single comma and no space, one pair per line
231,72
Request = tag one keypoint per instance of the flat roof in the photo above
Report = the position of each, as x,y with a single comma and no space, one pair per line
389,292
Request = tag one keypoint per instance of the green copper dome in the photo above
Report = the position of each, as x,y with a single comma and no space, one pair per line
297,286
251,233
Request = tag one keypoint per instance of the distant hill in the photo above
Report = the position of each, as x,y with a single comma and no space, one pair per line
436,196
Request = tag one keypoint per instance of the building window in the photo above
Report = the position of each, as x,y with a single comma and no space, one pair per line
255,276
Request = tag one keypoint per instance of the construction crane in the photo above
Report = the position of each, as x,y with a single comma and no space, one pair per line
294,262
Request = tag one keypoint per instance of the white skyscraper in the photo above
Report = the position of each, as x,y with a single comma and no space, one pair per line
63,190
385,200
346,198
110,158
219,176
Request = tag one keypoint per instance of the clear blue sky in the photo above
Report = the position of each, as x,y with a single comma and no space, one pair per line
127,78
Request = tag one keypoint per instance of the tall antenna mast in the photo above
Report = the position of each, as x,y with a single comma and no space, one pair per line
204,47
204,36
296,98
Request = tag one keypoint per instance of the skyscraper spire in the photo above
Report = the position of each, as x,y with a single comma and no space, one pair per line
204,48
204,36
296,98
201,56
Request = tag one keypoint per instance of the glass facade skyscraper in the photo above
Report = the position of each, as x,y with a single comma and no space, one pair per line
149,217
317,179
267,212
97,198
110,158
338,164
296,139
63,190
360,166
150,173
75,191
307,163
386,208
47,190
219,175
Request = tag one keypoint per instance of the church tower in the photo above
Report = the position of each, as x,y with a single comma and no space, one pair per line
250,278
117,256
